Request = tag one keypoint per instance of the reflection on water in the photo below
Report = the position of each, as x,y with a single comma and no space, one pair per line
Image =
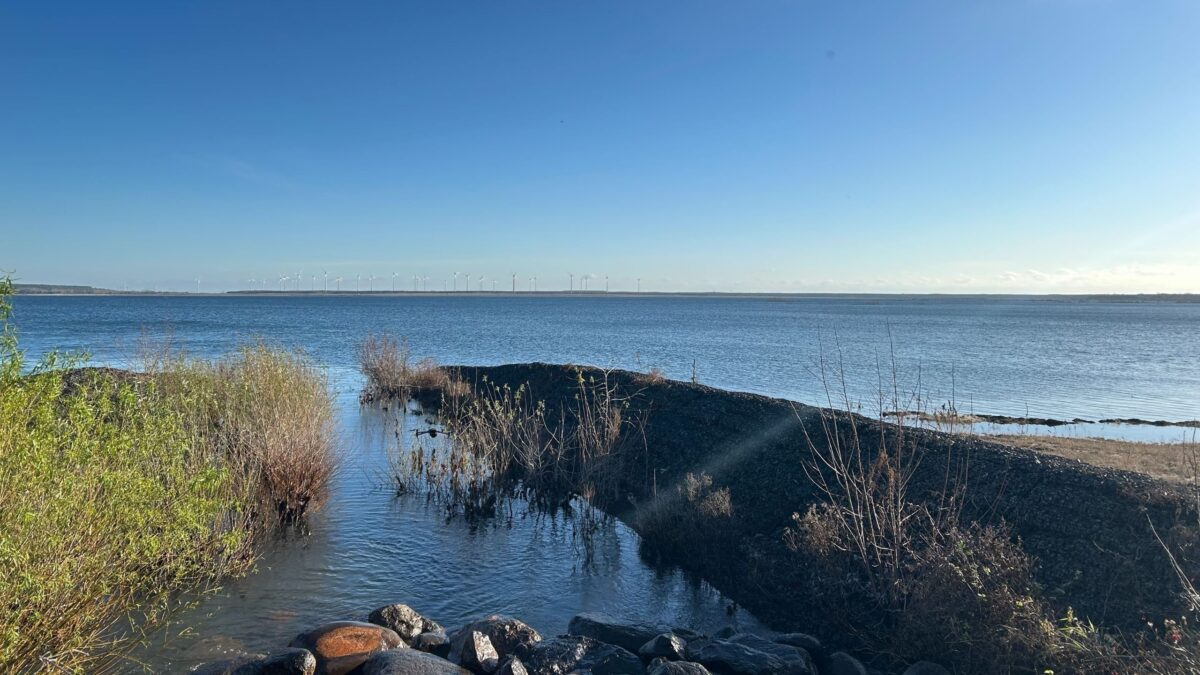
368,548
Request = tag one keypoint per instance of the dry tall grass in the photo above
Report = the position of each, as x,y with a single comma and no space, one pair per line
498,442
913,580
392,372
269,413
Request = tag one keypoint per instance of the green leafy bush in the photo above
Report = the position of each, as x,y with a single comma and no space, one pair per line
118,489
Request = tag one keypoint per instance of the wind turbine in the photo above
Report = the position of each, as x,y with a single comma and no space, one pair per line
639,285
313,286
454,286
426,281
326,275
197,285
514,282
371,283
572,287
393,282
299,276
358,283
605,283
250,283
535,284
282,278
468,282
338,281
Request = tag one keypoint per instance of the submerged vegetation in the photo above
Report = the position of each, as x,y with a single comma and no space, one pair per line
118,490
495,442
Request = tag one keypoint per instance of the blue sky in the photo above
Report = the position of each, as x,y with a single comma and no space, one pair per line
1020,146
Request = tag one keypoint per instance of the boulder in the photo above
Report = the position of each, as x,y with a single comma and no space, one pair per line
728,657
474,651
434,643
406,621
512,666
807,642
841,663
409,662
926,668
785,652
510,637
725,633
285,662
342,646
578,654
665,667
666,645
630,636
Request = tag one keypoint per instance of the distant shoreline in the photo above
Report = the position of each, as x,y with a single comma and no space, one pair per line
62,290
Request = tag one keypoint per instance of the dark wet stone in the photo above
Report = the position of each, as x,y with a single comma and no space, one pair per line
727,657
285,662
665,667
342,646
787,653
926,668
725,633
841,663
578,654
666,645
512,666
630,636
807,642
409,662
474,651
510,637
435,643
405,620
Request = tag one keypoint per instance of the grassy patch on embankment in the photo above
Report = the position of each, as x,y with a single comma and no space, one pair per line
118,490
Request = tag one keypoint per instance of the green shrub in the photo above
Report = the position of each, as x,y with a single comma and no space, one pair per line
119,489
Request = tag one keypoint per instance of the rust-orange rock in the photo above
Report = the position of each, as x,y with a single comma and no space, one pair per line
344,645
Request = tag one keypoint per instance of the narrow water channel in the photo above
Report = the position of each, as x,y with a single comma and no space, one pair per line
369,547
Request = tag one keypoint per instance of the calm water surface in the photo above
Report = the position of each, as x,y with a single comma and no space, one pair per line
1014,356
1041,357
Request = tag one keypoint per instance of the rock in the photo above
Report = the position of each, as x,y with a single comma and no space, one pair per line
599,627
512,666
342,646
406,621
785,652
926,668
474,651
510,637
804,641
409,662
727,657
435,643
665,667
286,662
841,663
614,660
725,633
578,654
666,645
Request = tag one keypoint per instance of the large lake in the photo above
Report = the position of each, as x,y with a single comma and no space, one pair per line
1027,356
368,547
